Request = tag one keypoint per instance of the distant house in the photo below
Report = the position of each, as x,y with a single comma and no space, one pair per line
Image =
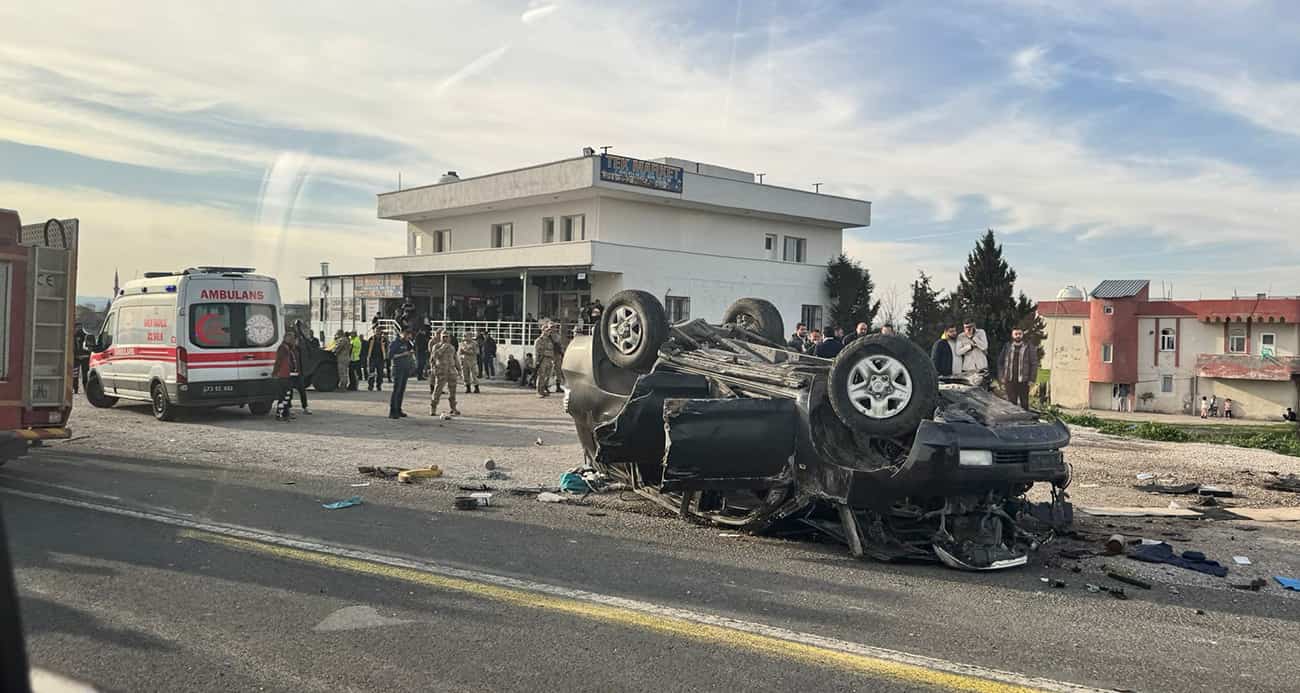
1111,348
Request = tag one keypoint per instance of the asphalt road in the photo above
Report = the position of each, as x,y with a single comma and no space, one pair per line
150,575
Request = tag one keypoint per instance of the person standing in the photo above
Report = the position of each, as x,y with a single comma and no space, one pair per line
478,359
489,355
799,340
1205,407
972,349
1227,408
469,362
402,353
376,356
354,364
342,348
860,331
594,311
544,348
1214,406
887,328
442,372
944,352
828,347
423,343
1018,367
286,369
81,358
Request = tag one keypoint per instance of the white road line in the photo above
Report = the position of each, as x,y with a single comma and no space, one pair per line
751,627
61,487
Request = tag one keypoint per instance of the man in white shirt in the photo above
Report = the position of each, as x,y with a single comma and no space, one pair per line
972,348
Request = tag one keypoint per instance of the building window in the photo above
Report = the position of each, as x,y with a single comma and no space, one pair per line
442,241
679,308
1268,344
1108,309
1167,339
1076,330
811,316
769,246
1237,341
795,249
1166,383
1107,353
573,228
548,229
420,241
503,235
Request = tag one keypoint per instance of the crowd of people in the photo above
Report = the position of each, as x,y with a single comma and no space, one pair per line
419,352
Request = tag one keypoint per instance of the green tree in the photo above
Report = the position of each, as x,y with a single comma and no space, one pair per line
850,287
927,314
986,295
1034,326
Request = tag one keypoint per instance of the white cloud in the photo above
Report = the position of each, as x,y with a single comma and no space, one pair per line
1273,105
537,13
1030,67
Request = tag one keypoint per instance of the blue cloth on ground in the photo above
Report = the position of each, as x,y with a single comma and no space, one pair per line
1191,560
1288,583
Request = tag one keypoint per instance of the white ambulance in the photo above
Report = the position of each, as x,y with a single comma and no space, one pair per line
204,337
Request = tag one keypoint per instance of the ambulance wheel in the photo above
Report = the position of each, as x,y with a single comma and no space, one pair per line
326,378
163,409
95,394
261,408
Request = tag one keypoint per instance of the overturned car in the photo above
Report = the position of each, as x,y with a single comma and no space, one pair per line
723,423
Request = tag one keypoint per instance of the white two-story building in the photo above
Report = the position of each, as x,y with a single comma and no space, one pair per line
502,250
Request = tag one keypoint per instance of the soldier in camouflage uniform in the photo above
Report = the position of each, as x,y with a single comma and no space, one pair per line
544,348
442,372
342,349
469,363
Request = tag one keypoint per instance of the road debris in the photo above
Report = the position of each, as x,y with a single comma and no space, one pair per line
1267,514
1115,545
538,442
1216,491
345,503
573,482
1143,476
1191,560
381,472
465,503
1241,560
548,497
1290,482
1254,585
482,497
1134,511
1128,579
497,475
1288,583
360,485
1175,489
489,464
409,476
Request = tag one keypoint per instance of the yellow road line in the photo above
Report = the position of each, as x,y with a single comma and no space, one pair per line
763,644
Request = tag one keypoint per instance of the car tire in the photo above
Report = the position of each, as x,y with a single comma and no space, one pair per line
259,408
756,315
883,386
632,328
326,377
95,394
163,409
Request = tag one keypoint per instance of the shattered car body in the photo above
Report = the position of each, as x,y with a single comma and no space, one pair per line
724,423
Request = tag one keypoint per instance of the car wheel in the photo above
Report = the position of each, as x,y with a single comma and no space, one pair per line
883,385
326,377
95,394
756,315
163,409
632,328
260,408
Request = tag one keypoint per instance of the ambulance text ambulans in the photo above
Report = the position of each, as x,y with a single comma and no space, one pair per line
204,337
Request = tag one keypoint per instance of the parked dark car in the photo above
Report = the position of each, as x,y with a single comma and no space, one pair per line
724,423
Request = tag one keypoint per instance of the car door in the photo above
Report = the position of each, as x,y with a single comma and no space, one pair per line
102,361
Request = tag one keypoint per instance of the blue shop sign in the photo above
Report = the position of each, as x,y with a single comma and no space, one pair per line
646,174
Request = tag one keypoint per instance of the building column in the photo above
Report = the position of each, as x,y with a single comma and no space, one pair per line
444,298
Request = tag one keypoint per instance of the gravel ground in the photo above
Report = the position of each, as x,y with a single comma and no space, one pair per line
348,429
505,421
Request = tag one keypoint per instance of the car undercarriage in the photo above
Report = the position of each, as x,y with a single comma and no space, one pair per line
722,423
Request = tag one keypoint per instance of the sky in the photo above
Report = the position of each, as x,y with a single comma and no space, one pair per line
1105,139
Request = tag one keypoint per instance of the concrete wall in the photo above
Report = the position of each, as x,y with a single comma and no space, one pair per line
1066,355
474,231
546,179
576,254
710,281
1252,399
675,228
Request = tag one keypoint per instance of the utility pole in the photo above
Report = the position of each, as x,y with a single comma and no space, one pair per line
817,188
605,149
760,177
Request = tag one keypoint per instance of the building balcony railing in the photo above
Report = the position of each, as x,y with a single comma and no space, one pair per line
1247,366
505,332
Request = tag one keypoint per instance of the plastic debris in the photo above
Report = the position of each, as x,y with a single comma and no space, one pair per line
548,497
360,485
1143,476
464,503
572,482
1241,560
538,441
345,503
381,472
728,534
409,476
482,497
1288,583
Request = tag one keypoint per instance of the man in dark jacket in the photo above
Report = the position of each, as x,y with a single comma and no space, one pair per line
81,355
942,353
402,354
799,340
1018,367
489,352
827,347
862,330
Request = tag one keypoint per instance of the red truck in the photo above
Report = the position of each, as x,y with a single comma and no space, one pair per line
38,278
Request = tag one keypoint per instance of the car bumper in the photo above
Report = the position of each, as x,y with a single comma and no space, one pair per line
225,392
1022,455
